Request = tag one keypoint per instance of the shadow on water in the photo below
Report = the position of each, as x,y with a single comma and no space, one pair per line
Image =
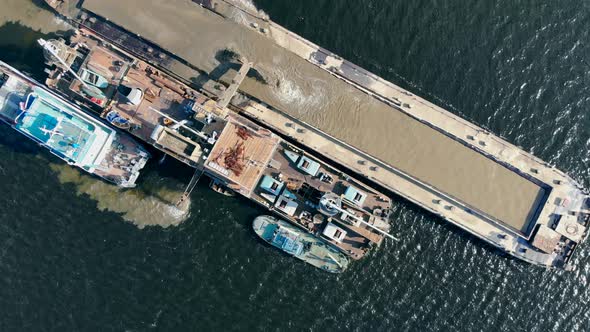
41,5
255,74
228,60
13,141
20,49
198,82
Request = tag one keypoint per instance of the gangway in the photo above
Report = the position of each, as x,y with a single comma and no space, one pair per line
191,185
235,84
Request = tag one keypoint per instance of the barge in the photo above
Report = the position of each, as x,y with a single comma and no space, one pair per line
482,183
67,132
237,154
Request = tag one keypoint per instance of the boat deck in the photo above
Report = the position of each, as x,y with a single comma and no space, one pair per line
123,161
305,191
241,154
61,129
109,64
307,247
158,98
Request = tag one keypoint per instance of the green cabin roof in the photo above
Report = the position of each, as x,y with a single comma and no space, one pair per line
309,166
352,194
271,185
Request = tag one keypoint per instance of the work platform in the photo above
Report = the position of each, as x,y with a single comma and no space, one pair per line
441,162
241,155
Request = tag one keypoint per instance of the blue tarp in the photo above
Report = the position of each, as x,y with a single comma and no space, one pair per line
114,118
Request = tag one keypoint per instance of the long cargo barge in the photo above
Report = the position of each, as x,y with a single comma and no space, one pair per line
483,184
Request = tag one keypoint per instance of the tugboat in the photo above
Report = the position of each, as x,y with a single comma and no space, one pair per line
219,187
300,244
70,134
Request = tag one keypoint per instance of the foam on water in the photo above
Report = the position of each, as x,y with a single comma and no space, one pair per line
282,80
150,205
250,7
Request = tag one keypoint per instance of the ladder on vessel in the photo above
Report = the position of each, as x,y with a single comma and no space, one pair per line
191,185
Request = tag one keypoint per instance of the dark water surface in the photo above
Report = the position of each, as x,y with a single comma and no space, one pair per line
78,255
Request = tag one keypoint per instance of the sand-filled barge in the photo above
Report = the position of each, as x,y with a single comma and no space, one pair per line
388,135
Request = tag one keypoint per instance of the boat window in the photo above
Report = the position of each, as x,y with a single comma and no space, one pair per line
3,79
91,78
124,90
283,204
337,234
274,186
305,164
358,197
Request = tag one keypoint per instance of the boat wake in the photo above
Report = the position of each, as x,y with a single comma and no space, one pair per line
248,6
305,98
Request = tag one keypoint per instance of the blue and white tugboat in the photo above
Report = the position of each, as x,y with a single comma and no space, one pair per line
68,132
300,244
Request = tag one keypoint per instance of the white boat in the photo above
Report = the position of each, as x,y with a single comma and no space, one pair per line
300,244
68,132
